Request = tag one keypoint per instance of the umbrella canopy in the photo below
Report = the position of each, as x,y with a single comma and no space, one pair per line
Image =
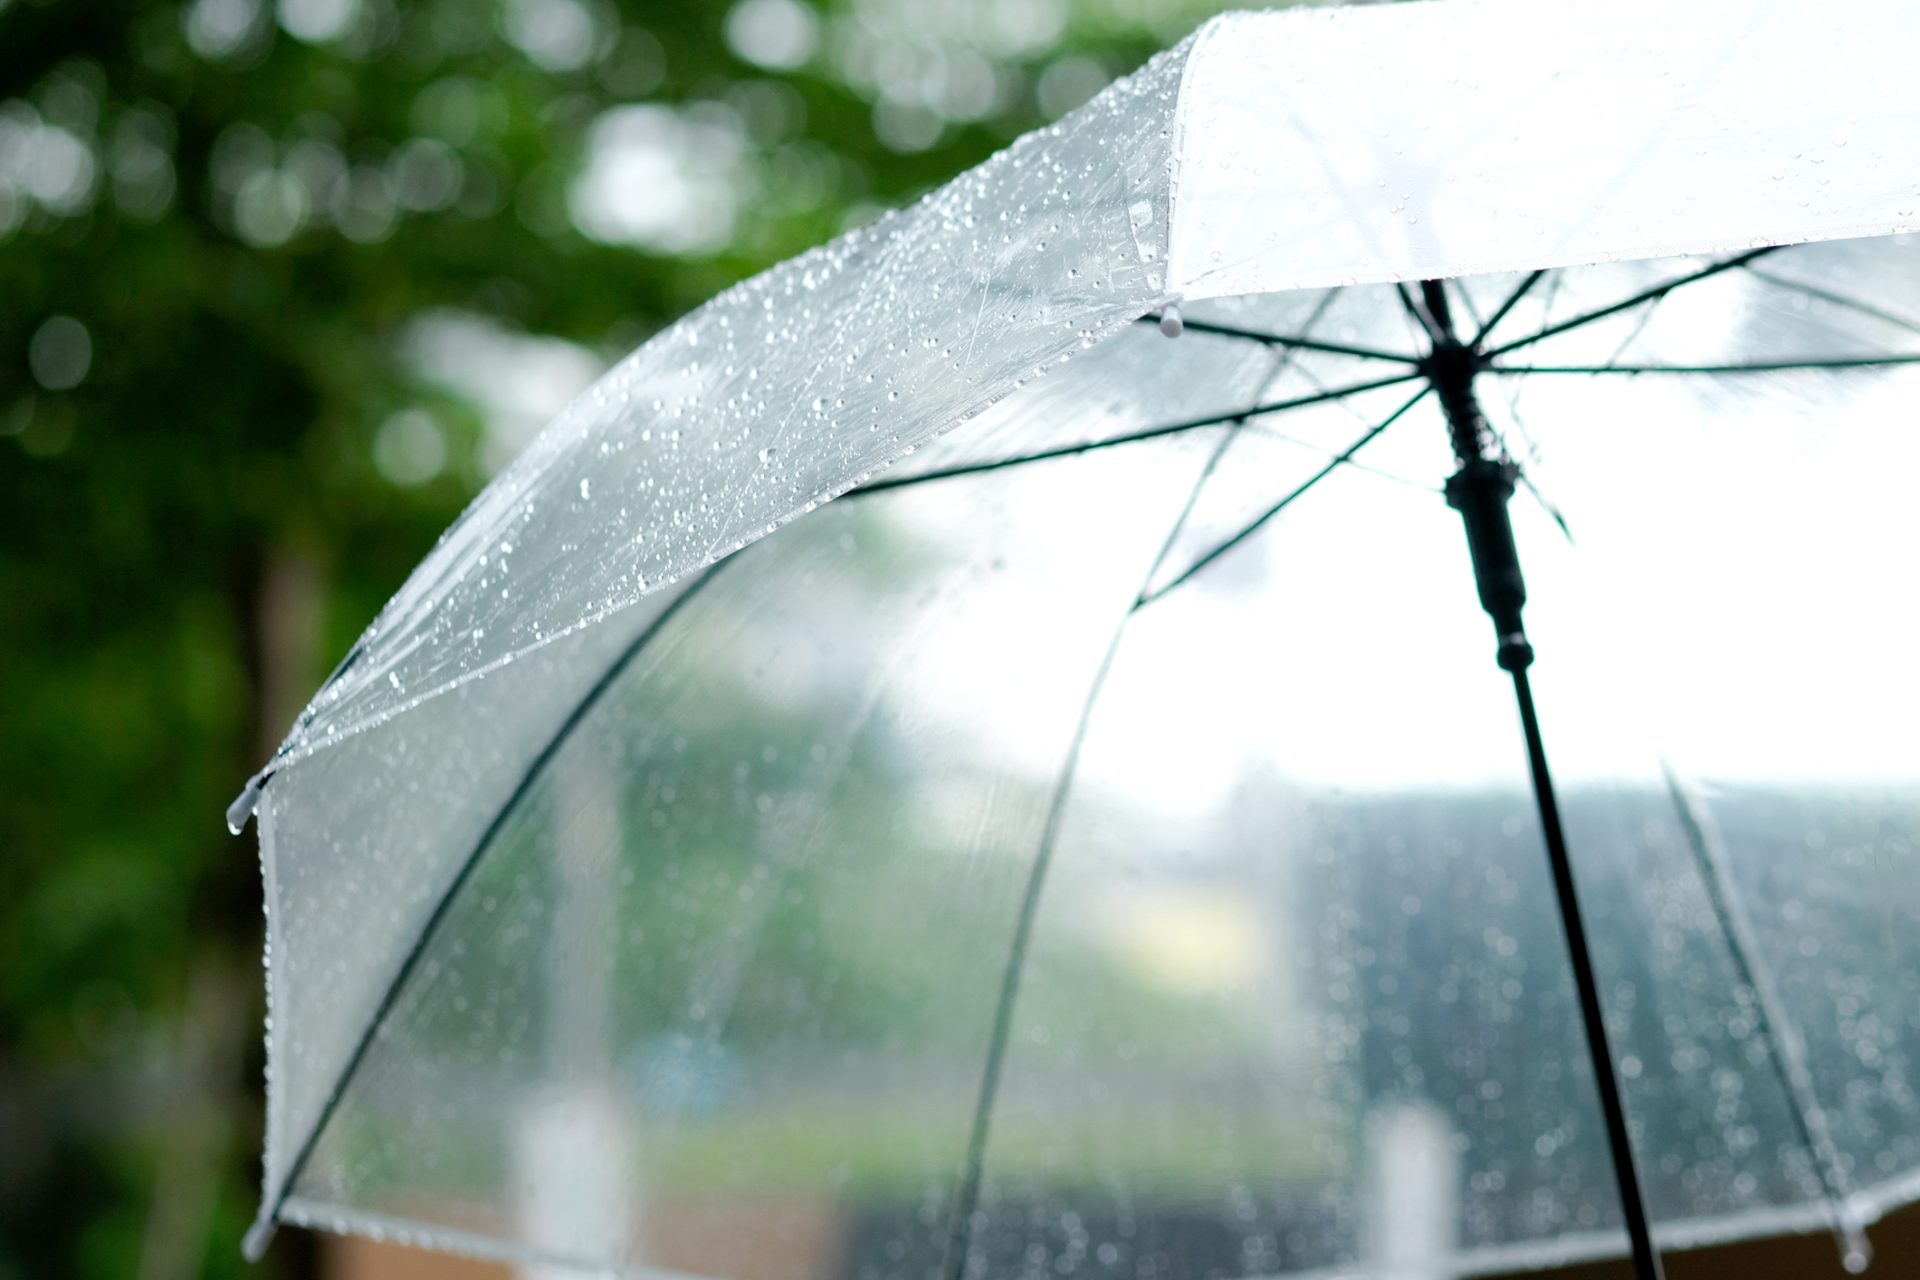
1096,841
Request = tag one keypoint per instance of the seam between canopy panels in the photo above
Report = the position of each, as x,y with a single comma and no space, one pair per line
1174,282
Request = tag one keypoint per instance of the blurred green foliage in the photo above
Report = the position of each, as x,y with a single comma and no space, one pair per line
232,235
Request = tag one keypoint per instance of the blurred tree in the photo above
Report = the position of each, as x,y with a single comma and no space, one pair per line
273,276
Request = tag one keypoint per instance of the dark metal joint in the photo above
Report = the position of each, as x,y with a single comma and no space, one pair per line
1451,367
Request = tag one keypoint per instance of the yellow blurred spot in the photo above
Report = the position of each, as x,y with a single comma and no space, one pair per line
1189,940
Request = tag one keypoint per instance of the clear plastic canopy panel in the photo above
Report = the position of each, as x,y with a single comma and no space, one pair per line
981,876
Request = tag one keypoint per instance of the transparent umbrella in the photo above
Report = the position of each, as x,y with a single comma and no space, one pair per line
1093,838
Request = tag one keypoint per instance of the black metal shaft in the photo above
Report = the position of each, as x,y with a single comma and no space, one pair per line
1480,490
1633,1203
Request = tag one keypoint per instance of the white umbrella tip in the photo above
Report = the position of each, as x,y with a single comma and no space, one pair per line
245,803
253,1246
1170,322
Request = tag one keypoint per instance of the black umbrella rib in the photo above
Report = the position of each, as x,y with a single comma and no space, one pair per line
1335,463
1268,431
1512,397
1510,392
960,1225
443,907
1429,325
1512,300
1626,304
1213,329
1757,366
1152,433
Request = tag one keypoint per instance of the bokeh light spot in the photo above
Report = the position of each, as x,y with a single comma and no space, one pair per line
662,179
410,448
777,34
60,353
221,28
270,209
43,162
1067,84
906,127
141,164
558,35
425,175
317,21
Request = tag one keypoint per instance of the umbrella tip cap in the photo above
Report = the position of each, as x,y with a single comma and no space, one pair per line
245,803
254,1246
1857,1255
1171,323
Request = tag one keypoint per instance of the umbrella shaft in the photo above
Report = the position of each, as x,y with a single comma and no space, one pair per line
1646,1260
1480,491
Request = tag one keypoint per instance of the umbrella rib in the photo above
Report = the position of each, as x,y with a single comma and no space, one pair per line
960,1226
1758,366
1334,464
1351,464
1272,433
1523,475
1152,433
1841,300
1784,1051
1471,307
1645,295
1512,398
1426,322
1513,300
1510,393
1640,326
443,907
1214,329
249,797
